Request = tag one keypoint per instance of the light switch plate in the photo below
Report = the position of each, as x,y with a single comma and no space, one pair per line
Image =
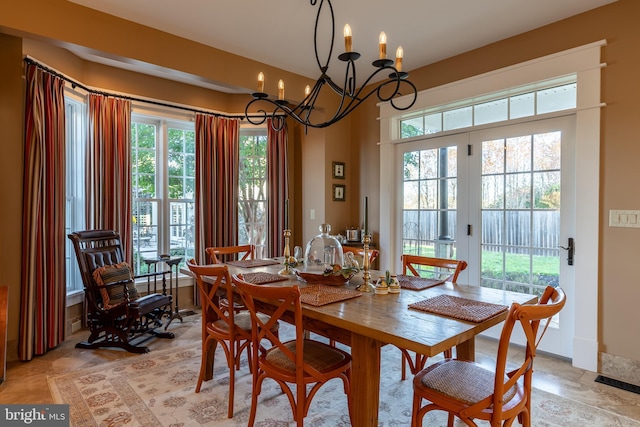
624,218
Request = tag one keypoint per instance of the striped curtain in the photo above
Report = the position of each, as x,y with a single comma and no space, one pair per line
277,187
108,176
217,152
43,290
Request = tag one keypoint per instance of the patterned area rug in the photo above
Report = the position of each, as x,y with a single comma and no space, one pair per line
158,389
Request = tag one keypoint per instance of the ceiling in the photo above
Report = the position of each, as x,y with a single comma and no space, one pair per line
280,32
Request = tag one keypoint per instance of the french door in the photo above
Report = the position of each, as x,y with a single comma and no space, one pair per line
502,199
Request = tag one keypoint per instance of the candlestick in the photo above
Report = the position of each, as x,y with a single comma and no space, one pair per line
383,45
366,285
287,254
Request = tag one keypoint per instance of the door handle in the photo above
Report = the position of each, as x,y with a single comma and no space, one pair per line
570,250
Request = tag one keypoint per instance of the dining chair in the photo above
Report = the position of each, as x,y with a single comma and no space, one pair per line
220,254
434,268
221,326
470,391
300,361
359,254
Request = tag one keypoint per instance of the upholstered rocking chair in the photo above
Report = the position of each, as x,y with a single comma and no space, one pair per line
116,315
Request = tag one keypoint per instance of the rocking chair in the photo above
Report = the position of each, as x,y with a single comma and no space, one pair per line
116,315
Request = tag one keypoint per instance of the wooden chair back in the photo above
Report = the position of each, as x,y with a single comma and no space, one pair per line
219,284
359,254
220,254
436,268
95,248
530,318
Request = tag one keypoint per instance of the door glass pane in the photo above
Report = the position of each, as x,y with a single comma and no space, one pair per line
521,213
145,232
430,202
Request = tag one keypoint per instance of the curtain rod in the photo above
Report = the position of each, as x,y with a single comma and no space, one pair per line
75,83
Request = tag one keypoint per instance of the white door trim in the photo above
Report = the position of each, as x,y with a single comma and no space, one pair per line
583,61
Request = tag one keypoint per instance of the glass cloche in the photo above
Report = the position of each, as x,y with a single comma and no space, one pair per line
322,252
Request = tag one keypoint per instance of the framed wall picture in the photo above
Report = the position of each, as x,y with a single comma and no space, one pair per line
338,170
338,192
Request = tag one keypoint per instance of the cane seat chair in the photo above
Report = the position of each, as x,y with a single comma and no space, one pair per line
115,314
300,361
220,326
469,391
434,268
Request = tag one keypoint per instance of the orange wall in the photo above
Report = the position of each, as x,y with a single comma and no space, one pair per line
620,145
352,141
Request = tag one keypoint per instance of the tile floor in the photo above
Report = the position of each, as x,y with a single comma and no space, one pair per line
26,382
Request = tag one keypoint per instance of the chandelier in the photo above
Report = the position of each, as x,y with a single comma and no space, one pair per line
350,97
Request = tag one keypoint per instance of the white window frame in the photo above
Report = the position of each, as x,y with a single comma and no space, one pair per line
75,141
163,120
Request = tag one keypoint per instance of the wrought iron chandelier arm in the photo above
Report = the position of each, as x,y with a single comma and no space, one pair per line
350,96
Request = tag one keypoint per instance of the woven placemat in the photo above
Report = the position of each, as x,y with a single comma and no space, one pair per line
249,263
318,295
417,283
459,308
260,278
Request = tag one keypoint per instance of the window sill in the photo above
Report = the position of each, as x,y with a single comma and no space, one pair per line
75,297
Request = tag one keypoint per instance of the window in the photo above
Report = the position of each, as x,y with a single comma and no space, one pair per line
163,189
252,189
557,95
74,209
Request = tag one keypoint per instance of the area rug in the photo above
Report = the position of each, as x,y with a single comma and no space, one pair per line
158,389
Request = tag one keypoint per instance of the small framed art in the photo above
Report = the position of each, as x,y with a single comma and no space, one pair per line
338,170
338,192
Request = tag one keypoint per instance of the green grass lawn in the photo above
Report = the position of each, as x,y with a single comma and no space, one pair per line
516,266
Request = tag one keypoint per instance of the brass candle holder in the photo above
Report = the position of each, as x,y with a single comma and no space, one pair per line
287,255
366,285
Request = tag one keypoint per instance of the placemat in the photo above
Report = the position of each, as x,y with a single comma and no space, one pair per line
249,263
417,283
260,278
318,295
459,308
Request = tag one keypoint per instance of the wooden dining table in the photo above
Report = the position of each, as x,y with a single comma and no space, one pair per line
370,321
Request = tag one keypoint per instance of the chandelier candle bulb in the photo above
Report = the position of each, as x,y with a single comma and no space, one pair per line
347,38
383,45
399,55
260,82
280,89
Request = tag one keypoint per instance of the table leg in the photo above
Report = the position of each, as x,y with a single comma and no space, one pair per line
466,350
365,380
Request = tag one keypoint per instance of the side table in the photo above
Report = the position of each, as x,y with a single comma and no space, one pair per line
173,263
